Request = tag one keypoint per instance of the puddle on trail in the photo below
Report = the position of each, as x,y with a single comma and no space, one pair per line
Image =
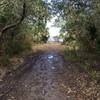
52,58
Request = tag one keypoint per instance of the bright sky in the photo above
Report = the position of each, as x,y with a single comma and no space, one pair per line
53,30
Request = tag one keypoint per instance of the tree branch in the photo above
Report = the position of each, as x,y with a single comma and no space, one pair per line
15,24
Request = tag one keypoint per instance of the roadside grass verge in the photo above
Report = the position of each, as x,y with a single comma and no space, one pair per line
87,61
89,67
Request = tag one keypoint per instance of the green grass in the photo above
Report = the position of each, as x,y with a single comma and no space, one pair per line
72,55
92,72
85,60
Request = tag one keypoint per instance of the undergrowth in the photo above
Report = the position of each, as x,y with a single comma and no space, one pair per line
85,61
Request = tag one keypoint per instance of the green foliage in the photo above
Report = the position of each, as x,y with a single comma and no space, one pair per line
92,72
28,28
9,9
40,33
18,44
72,55
82,19
86,61
4,61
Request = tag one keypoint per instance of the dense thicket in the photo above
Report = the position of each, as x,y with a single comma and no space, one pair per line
80,22
21,23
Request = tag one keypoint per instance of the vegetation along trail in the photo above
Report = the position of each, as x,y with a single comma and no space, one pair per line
51,78
49,49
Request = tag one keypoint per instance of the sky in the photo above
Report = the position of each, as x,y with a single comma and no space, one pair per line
53,30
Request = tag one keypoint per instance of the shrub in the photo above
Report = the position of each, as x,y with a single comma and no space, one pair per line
18,44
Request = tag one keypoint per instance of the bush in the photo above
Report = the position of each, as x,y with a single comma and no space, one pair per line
4,61
18,44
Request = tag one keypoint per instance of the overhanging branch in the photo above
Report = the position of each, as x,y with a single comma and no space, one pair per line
15,24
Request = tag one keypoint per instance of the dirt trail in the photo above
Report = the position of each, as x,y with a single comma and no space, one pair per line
51,78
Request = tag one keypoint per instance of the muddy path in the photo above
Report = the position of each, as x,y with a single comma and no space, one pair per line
51,78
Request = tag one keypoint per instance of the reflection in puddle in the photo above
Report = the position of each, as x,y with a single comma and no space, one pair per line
50,56
53,68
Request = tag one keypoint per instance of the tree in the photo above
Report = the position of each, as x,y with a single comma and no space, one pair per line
80,18
32,14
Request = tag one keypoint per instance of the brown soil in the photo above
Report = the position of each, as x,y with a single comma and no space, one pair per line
52,78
